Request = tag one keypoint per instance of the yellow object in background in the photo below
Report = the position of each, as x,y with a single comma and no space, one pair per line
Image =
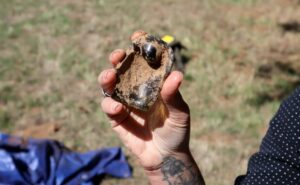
168,39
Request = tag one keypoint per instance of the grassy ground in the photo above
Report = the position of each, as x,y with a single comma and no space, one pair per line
242,63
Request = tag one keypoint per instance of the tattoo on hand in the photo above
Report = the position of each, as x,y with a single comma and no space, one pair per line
175,172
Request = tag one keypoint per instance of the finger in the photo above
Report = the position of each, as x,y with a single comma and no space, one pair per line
117,56
116,111
122,120
107,80
117,114
137,34
178,109
170,88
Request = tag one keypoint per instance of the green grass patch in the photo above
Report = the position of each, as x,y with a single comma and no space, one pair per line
5,121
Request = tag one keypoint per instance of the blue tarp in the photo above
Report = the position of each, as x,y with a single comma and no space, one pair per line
48,162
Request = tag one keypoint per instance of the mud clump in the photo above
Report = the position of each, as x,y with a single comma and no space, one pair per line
141,74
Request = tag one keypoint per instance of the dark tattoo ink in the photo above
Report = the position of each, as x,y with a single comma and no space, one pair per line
175,172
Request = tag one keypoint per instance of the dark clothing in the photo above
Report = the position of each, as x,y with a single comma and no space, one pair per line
278,159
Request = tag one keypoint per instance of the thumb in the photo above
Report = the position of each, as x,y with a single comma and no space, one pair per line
177,107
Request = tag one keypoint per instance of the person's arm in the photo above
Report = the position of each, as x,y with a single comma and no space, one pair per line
278,159
159,138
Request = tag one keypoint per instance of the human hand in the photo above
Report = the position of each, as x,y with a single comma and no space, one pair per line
152,136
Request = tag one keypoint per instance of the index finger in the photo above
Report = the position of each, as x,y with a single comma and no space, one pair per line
116,56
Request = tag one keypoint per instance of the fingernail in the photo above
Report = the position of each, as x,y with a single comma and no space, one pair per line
111,55
117,106
114,52
104,76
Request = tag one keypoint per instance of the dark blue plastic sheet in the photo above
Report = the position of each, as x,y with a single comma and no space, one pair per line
48,162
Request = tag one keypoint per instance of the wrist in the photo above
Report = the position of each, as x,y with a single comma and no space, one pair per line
180,155
175,168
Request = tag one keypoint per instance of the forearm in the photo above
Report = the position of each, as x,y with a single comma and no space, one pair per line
176,169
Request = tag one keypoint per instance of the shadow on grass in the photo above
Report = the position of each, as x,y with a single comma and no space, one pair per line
280,91
281,75
291,26
284,80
